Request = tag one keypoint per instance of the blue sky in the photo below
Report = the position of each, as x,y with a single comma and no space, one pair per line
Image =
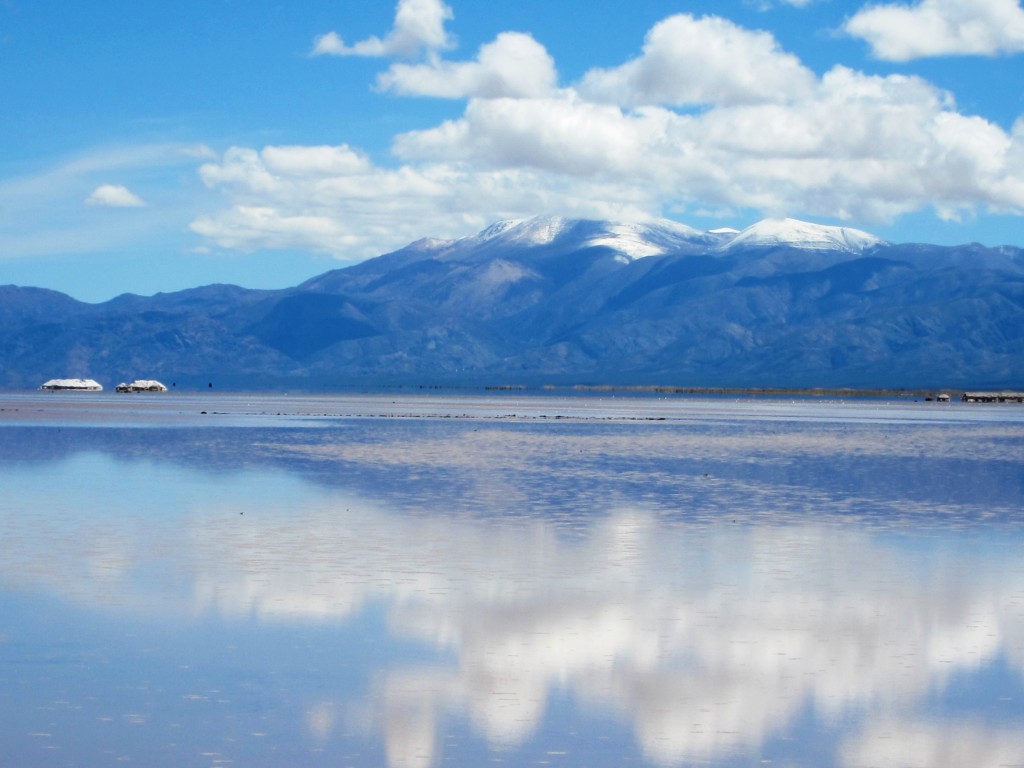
150,147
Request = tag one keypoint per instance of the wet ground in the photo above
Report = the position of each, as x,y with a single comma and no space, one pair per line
469,580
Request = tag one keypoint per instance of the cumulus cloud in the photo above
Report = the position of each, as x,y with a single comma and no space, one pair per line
710,60
708,115
561,135
279,199
248,227
114,196
514,65
858,147
899,32
419,26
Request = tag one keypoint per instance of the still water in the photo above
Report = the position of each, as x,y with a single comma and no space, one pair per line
469,581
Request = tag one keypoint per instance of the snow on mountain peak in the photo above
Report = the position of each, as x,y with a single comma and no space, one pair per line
428,244
803,234
631,240
636,241
628,239
497,229
539,230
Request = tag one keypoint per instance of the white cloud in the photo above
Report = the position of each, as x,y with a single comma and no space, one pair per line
418,27
561,135
866,148
114,196
311,161
43,210
856,147
247,227
367,210
514,65
758,132
940,28
709,60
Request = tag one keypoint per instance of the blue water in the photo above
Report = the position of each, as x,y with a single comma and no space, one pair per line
465,581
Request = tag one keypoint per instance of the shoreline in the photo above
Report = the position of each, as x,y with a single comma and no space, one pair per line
557,390
227,409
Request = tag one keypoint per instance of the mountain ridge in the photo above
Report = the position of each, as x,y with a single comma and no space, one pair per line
559,300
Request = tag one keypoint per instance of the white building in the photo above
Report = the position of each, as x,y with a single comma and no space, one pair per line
73,385
142,385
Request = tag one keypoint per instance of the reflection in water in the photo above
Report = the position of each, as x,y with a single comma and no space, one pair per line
709,641
718,625
902,744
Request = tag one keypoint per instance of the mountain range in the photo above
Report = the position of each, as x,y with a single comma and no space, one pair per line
783,303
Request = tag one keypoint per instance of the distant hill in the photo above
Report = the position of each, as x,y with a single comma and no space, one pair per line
547,300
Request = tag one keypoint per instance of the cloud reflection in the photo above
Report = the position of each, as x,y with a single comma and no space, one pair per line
897,743
709,638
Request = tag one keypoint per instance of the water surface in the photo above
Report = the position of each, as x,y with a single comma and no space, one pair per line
426,580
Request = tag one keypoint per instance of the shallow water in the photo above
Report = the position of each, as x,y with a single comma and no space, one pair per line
425,580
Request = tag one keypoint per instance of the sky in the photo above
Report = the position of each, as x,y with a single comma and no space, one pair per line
153,147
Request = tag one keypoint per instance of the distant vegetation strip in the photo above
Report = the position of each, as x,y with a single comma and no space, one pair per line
773,391
714,391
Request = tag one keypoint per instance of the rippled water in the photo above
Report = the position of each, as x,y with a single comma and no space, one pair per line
465,581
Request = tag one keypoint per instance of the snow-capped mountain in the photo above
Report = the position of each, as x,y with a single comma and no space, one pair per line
666,236
549,234
804,235
545,236
782,303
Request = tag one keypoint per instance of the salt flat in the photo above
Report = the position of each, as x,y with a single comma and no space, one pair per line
429,580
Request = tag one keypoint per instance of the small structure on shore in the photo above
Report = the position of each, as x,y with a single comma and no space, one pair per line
142,385
993,397
72,385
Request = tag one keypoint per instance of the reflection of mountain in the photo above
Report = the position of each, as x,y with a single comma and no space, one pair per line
642,599
911,461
